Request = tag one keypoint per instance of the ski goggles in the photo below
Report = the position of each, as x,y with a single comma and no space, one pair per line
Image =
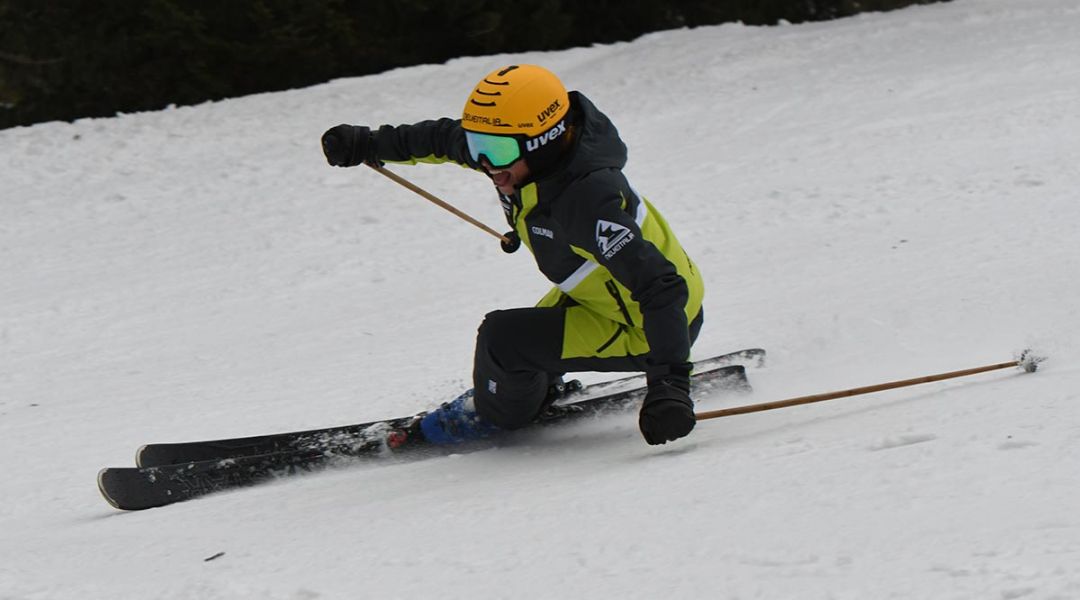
500,150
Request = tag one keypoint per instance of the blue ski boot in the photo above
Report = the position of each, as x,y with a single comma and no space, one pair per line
455,422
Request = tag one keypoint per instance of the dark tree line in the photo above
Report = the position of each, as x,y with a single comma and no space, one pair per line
66,59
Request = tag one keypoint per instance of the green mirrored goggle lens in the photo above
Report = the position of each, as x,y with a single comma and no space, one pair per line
500,150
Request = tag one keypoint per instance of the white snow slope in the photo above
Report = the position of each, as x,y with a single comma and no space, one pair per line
870,199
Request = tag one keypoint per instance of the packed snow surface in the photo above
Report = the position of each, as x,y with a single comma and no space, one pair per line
870,199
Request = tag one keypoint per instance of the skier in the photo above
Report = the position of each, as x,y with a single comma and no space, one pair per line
627,297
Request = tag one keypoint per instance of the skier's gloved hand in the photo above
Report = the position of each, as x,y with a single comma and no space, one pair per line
349,145
667,413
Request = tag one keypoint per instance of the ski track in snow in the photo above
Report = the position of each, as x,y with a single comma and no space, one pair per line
870,199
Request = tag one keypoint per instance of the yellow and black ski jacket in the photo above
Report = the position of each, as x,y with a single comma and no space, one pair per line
605,247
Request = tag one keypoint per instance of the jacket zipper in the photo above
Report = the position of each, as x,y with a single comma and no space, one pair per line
611,341
614,291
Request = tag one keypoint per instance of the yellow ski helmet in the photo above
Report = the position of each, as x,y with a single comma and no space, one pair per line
516,100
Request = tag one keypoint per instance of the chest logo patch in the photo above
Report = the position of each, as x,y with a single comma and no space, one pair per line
611,237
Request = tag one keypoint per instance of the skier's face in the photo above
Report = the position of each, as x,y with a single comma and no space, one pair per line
506,178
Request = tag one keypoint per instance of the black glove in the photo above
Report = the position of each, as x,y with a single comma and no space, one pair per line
668,412
349,145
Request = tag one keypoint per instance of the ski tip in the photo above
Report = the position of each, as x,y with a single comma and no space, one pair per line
139,455
101,484
750,357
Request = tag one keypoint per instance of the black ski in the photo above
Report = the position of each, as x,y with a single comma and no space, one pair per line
147,487
155,455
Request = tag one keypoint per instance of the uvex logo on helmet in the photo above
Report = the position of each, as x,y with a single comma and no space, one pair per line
548,112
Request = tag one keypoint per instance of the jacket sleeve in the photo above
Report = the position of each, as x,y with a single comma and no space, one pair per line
605,224
433,141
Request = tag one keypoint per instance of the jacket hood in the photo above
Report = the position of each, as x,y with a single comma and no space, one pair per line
596,145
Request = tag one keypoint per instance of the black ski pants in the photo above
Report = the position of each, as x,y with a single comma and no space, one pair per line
519,355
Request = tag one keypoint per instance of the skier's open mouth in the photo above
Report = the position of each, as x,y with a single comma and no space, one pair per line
500,178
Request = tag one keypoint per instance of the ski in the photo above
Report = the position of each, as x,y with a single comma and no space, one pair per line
147,487
155,455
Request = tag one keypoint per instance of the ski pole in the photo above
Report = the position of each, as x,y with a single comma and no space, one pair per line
438,201
1027,361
